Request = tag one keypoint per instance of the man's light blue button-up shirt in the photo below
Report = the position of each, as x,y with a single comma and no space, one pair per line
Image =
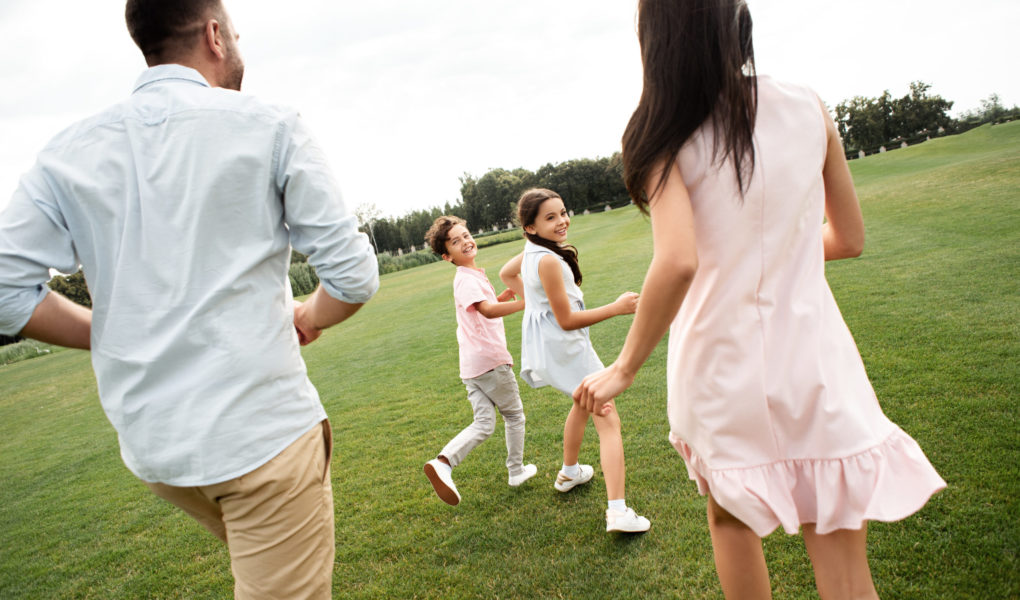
181,204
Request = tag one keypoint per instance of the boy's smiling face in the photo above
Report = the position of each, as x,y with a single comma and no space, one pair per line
460,247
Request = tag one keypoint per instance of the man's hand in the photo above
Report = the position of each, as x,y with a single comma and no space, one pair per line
306,331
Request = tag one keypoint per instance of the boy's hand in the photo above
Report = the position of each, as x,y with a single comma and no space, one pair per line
508,294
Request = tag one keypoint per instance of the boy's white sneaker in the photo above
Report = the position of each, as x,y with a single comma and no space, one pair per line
565,484
441,476
627,521
528,472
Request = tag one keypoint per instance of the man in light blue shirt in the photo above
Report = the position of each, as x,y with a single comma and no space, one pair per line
181,204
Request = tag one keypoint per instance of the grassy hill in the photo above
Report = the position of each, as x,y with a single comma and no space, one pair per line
933,307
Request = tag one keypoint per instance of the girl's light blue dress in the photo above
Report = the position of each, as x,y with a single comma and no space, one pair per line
550,355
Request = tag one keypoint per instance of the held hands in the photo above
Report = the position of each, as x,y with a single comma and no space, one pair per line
627,303
508,294
598,389
307,332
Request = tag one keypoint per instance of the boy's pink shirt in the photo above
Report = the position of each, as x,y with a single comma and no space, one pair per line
482,340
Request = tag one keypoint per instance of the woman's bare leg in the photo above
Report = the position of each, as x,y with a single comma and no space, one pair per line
840,561
739,558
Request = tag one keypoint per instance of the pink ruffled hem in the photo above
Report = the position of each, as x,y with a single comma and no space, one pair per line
885,483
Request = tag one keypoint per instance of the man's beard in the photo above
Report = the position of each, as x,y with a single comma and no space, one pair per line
232,79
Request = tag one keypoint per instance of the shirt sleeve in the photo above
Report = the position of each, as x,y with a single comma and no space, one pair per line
320,224
468,291
33,239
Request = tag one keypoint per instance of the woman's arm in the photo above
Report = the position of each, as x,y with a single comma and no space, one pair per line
674,262
510,275
843,232
551,274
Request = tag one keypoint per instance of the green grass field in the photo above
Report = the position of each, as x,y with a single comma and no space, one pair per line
933,304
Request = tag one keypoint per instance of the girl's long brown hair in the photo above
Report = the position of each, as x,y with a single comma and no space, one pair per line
527,212
698,63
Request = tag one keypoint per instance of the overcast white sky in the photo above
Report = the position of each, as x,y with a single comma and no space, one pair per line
406,96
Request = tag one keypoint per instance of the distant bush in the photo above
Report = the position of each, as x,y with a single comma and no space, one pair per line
303,279
24,350
491,239
391,264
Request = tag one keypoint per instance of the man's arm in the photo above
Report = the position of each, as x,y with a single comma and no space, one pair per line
57,320
33,239
321,227
318,312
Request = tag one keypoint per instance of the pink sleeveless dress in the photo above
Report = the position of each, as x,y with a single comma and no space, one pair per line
769,403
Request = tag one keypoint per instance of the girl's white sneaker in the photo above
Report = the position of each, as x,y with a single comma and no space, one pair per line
627,521
565,484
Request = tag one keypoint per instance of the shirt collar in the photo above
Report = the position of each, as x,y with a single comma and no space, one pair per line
167,72
480,272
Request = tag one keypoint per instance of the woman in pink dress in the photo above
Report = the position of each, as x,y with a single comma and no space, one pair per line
768,403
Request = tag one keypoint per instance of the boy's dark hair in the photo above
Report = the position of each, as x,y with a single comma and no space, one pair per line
166,29
439,233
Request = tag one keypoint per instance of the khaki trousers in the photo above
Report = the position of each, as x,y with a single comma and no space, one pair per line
277,520
489,392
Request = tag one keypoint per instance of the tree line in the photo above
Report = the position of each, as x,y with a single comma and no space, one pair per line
489,202
868,124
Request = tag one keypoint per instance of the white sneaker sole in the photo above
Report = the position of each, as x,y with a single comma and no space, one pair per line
445,493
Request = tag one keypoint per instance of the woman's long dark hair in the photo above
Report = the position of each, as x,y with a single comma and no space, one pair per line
698,64
527,212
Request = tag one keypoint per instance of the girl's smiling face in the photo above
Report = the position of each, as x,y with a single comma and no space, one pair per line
551,222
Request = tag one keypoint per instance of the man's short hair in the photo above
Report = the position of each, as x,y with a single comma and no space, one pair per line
167,29
437,235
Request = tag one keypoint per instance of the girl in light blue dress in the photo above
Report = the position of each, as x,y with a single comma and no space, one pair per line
555,349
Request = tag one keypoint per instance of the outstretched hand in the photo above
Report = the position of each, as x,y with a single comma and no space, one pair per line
307,332
627,303
598,389
506,295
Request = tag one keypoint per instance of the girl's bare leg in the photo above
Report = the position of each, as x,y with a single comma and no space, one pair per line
739,559
840,561
611,453
573,433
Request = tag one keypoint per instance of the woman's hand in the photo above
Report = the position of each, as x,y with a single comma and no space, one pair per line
598,389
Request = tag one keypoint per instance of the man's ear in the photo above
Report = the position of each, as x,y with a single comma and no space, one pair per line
213,38
447,257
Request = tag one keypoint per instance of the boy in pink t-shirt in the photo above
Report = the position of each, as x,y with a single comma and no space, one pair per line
485,363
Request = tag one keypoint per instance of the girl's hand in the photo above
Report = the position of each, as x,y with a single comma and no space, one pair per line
508,294
598,389
626,304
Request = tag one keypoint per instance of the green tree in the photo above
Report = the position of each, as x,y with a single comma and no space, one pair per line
867,123
73,287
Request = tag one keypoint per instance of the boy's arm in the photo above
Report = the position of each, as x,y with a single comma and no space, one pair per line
510,274
494,310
